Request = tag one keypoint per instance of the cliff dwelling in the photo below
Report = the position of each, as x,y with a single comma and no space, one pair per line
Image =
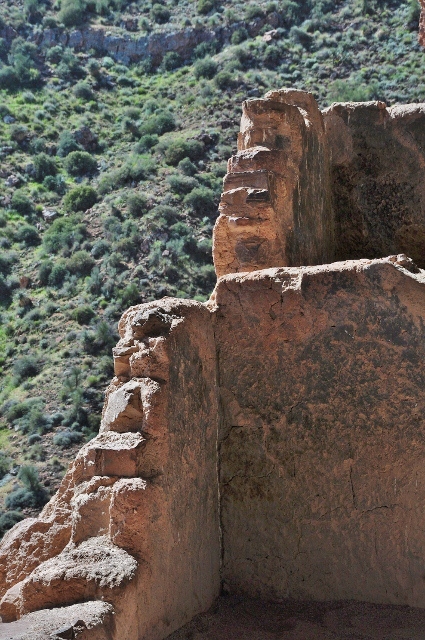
270,443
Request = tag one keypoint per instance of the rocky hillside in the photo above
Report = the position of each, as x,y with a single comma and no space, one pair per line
116,120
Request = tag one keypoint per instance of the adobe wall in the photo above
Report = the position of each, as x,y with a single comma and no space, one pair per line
378,189
322,446
135,522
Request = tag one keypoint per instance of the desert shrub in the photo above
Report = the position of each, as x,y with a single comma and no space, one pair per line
129,295
21,203
160,14
71,13
25,498
137,204
55,183
57,274
65,439
239,35
63,233
206,68
27,367
7,259
187,167
135,169
83,314
83,90
146,142
80,199
4,465
205,6
80,263
28,235
171,61
302,36
165,212
8,78
8,520
158,123
43,166
54,54
201,199
18,133
99,248
254,11
181,148
80,163
223,80
182,184
67,144
414,11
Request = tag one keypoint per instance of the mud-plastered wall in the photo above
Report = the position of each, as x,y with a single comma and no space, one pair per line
322,480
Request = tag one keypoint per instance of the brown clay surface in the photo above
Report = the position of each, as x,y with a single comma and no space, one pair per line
236,618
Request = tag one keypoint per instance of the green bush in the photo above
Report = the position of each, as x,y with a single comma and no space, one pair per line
4,465
21,203
205,6
72,12
28,235
80,199
182,184
83,314
137,204
65,439
146,142
181,148
57,275
171,61
187,167
83,90
7,259
239,35
27,367
80,163
67,143
254,11
8,520
8,78
160,14
64,233
206,68
201,200
80,263
223,80
43,166
158,123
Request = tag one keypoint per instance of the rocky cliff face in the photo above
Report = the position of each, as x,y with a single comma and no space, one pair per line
271,440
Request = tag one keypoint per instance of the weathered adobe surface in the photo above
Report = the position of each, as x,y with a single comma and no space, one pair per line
378,188
276,205
320,450
135,522
307,187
